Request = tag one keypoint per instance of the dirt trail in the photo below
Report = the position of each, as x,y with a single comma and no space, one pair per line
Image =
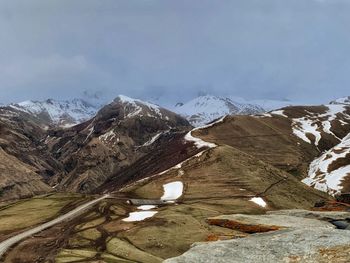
5,245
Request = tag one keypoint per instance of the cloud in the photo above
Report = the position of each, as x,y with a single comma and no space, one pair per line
174,49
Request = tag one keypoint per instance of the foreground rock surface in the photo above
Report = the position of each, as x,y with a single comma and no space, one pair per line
298,240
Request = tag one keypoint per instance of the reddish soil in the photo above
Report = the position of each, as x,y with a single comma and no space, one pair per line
242,227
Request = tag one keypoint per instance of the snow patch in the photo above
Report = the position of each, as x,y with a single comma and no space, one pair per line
139,216
316,123
108,136
303,126
320,177
146,207
259,201
172,191
153,139
199,142
136,107
280,113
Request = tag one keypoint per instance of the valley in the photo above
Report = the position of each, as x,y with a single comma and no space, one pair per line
137,183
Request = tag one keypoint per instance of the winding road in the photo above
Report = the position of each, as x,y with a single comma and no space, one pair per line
5,245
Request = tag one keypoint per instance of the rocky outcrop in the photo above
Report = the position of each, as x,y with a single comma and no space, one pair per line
299,239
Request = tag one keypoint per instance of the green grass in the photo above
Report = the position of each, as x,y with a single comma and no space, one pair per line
30,212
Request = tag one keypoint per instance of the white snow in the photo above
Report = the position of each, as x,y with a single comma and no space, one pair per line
146,207
302,126
135,107
139,216
259,201
63,113
172,191
91,131
204,109
280,113
343,100
321,178
314,123
199,142
153,139
108,136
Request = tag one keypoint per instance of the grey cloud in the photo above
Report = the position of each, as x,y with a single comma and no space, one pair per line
297,49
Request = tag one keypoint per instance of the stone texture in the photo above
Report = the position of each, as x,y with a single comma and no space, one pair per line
299,240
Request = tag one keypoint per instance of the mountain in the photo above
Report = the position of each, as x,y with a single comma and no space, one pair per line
166,179
205,109
37,139
58,113
120,133
343,100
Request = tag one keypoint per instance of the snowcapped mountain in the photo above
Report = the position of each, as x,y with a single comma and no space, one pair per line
204,109
58,113
120,133
135,107
343,100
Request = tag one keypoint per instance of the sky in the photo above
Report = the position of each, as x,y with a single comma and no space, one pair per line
173,50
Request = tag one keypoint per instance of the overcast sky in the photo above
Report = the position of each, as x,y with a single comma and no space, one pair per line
173,49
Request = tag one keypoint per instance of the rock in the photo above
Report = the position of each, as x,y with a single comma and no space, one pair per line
297,245
341,224
333,215
299,239
265,223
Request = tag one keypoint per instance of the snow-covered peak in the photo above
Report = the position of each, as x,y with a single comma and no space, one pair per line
125,99
60,113
135,107
205,109
343,100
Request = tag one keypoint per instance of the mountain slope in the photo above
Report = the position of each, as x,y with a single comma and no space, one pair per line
331,171
25,163
289,139
18,179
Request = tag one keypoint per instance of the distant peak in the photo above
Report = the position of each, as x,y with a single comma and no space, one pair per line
126,99
343,100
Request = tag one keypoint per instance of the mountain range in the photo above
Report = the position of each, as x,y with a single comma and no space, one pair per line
158,176
198,111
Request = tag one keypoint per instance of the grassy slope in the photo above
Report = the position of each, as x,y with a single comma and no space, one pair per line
213,186
30,212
